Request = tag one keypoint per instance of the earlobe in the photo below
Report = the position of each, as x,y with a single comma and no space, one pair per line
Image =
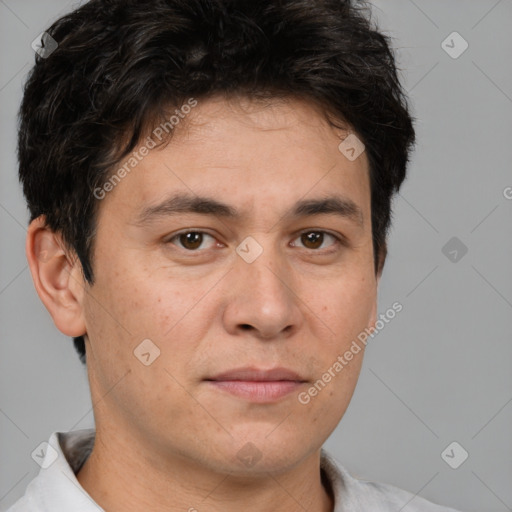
57,277
373,314
383,251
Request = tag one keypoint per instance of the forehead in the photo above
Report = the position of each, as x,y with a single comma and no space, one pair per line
272,152
221,113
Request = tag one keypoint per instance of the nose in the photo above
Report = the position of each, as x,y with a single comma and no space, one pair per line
262,300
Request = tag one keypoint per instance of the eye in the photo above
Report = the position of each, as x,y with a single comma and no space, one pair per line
315,239
192,240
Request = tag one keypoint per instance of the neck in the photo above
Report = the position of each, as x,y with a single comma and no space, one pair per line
120,476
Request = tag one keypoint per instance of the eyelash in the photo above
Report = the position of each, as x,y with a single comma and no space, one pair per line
338,239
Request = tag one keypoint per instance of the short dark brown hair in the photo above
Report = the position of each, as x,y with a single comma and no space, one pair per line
121,64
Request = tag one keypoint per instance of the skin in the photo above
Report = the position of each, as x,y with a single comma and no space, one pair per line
165,438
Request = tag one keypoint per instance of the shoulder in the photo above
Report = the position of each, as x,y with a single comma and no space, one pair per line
355,494
391,498
55,487
25,504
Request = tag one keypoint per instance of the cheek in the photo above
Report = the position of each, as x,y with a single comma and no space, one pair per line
326,400
345,306
135,300
130,307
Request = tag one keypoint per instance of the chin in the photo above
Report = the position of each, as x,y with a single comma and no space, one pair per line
268,450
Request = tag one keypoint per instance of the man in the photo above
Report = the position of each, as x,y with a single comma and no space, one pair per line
209,185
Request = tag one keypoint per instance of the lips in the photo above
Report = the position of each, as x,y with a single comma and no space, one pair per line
256,385
257,375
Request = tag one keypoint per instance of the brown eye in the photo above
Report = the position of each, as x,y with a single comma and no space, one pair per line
312,240
315,240
192,240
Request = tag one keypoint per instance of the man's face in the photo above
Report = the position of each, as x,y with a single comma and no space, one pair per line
295,295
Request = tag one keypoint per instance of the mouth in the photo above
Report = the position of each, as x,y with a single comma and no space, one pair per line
256,385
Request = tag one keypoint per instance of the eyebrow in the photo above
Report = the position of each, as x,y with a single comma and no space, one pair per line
185,203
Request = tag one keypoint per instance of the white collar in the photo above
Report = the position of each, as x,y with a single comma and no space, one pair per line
56,488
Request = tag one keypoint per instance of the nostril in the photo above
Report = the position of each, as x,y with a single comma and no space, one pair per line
246,327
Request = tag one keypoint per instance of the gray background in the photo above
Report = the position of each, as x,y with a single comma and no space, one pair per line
440,371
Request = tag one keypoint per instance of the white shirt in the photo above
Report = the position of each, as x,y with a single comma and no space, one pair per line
56,489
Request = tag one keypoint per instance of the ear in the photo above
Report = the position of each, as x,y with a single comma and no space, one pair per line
373,313
382,258
57,277
383,252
